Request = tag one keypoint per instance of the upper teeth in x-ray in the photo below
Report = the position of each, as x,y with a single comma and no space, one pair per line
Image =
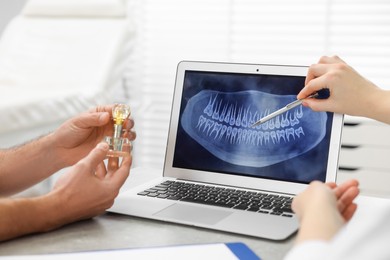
221,123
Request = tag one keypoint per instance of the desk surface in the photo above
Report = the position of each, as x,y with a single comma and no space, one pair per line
114,231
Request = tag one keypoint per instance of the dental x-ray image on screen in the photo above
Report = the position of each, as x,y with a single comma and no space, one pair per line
216,114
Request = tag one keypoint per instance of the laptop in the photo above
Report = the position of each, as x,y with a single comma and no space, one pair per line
223,174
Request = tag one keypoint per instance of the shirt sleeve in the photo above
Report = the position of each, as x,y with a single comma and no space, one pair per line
314,249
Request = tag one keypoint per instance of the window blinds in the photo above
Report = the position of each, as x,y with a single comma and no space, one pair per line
255,31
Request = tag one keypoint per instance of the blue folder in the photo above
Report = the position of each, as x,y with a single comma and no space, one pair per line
242,251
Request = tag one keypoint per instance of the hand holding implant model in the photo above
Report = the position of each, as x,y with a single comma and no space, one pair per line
119,146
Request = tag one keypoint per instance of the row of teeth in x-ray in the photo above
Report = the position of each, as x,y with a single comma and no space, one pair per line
221,123
245,118
236,135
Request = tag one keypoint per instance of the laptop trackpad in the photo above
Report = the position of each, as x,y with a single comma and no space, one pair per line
193,214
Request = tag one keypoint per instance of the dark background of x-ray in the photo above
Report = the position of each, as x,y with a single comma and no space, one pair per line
189,154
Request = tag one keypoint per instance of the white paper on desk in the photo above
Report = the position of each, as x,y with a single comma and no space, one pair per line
188,252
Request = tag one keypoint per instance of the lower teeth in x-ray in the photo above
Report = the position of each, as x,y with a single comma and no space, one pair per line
221,123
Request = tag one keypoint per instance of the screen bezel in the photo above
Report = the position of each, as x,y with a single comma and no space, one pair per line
237,180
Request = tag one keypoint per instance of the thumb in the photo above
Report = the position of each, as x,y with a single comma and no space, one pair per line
92,119
96,156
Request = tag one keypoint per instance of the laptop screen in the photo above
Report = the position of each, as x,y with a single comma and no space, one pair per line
215,133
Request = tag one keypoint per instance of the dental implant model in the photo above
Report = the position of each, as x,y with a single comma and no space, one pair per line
119,146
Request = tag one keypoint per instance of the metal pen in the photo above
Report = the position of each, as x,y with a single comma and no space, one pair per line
290,106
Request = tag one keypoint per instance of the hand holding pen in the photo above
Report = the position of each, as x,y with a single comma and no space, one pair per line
321,94
351,93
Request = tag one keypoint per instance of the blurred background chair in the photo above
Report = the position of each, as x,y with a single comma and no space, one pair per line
59,58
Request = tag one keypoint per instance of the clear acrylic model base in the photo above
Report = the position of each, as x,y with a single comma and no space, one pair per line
119,146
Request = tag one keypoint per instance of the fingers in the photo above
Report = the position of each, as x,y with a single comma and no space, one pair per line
100,116
101,171
330,59
320,68
131,135
112,164
315,71
314,79
331,185
346,193
128,129
87,120
129,123
115,176
342,188
119,176
99,153
349,212
107,108
346,200
314,83
94,159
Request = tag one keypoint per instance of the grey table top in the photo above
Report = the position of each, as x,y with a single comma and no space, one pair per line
114,231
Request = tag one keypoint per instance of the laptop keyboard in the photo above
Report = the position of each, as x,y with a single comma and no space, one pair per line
260,202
